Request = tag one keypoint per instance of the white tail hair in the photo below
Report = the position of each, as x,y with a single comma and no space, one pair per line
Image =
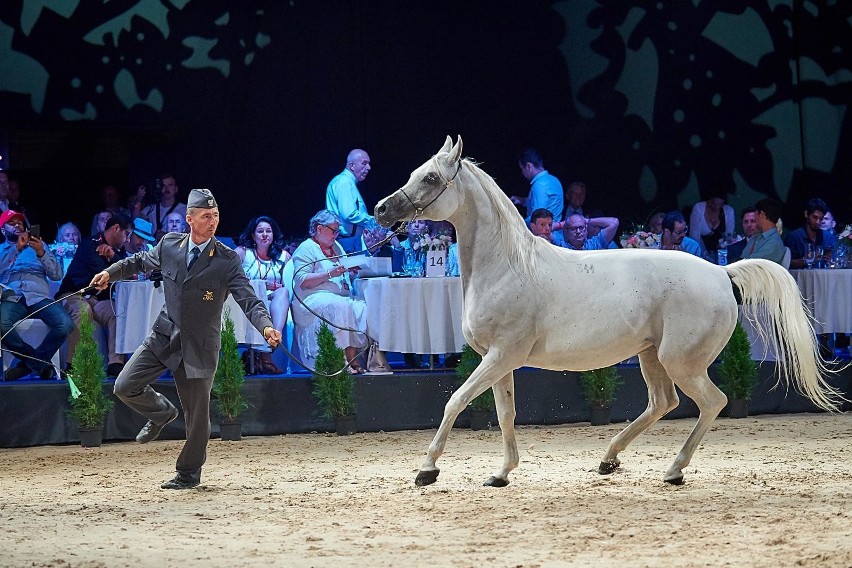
773,304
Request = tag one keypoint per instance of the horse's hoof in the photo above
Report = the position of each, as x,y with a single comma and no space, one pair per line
426,477
675,480
496,482
608,467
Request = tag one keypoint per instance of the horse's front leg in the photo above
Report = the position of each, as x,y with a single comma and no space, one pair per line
489,371
504,397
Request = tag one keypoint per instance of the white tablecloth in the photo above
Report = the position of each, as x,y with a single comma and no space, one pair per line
414,315
828,293
137,305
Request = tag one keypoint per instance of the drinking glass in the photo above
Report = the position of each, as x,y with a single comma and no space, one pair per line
810,255
412,264
819,259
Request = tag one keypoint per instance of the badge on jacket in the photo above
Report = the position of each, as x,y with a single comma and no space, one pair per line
208,296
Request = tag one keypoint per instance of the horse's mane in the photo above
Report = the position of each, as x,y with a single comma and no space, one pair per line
515,239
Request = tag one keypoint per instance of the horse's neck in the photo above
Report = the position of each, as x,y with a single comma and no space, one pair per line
478,228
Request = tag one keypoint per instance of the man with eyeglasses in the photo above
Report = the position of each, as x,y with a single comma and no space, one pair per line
94,255
674,234
575,234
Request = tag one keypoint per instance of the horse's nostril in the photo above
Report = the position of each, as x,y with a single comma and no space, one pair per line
380,210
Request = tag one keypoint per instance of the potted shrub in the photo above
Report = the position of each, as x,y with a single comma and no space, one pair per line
739,373
334,386
228,384
482,407
89,404
599,387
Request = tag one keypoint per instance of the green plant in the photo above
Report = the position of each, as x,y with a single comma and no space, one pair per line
738,370
230,376
334,386
599,385
468,363
89,404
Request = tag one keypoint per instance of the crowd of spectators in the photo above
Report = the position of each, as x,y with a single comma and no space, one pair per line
311,269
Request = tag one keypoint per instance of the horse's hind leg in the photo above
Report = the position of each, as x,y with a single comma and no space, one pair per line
710,401
504,397
662,398
489,371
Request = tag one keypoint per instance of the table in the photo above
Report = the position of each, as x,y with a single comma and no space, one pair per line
828,293
137,305
414,315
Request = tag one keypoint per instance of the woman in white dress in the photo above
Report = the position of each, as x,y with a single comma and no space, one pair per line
711,220
324,285
261,248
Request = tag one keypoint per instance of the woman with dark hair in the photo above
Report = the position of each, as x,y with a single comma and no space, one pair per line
711,220
261,248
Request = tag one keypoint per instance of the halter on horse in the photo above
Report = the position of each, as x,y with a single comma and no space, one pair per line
527,302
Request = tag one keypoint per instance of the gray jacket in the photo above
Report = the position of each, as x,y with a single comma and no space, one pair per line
189,327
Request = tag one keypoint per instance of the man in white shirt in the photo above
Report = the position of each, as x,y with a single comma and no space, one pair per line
344,200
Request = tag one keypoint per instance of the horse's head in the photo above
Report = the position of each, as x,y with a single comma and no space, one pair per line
429,193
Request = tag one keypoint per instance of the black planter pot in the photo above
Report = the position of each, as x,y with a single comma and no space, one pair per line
599,415
91,437
231,431
344,425
479,419
737,408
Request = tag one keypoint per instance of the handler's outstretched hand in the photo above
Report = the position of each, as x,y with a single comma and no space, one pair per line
101,280
273,337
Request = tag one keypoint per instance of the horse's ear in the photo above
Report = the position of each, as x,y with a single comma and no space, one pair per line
456,151
448,145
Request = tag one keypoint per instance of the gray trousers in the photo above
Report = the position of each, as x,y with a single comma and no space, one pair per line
133,387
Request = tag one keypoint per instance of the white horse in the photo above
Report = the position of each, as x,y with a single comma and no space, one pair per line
527,302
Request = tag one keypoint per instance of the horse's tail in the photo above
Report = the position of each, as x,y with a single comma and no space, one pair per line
773,304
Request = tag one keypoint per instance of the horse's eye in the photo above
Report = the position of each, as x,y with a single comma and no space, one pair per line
431,178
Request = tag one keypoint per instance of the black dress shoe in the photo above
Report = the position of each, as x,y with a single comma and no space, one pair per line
181,482
113,369
151,431
47,374
16,373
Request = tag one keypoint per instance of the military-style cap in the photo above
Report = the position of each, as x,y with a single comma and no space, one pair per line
201,198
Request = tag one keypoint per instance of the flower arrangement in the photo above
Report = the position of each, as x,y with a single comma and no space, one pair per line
640,239
63,250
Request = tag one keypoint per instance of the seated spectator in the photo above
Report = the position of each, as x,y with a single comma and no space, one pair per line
415,230
112,204
576,197
811,233
164,204
25,266
94,255
324,285
541,224
545,189
453,260
67,240
655,223
141,238
100,222
711,220
674,235
175,223
576,233
766,242
261,248
750,229
829,222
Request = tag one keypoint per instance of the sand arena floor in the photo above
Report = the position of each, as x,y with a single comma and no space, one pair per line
765,491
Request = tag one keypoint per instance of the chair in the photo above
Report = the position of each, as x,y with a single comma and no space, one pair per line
32,331
785,262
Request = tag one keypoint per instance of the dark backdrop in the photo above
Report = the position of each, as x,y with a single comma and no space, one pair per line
649,102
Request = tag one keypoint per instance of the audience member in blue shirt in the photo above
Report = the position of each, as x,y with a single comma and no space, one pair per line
576,232
545,189
766,243
812,232
541,224
674,234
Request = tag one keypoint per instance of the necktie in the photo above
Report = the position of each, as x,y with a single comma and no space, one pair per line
193,256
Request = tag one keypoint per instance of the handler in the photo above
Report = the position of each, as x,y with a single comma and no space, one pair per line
198,273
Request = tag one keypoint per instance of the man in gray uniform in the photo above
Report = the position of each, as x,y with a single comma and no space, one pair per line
198,273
